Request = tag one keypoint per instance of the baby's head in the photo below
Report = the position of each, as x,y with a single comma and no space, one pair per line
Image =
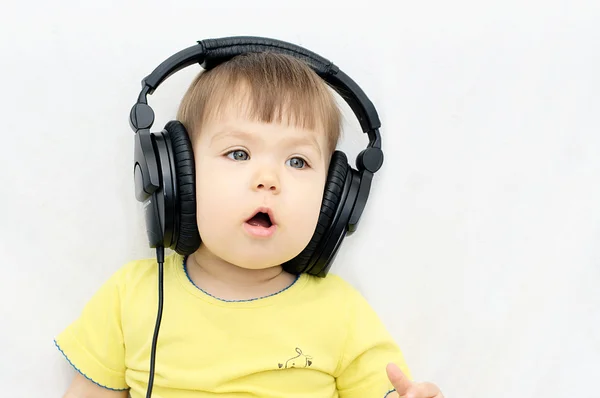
263,127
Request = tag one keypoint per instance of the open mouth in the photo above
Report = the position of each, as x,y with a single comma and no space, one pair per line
261,224
260,219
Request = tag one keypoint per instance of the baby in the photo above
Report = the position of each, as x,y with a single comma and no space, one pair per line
254,143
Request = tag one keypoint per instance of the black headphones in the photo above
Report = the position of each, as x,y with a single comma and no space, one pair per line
164,162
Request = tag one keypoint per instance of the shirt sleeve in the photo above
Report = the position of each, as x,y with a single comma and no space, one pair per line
369,349
93,343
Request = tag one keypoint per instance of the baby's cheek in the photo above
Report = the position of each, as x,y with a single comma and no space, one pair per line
306,214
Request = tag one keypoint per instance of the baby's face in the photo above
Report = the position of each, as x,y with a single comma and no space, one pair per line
244,166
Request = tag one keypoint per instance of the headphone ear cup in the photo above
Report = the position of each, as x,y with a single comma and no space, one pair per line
187,237
333,195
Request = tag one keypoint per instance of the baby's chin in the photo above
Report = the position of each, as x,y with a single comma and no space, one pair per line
255,261
254,254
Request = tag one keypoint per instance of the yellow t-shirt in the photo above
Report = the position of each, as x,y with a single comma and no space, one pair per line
316,338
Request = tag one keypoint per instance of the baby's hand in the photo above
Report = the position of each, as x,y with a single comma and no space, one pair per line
408,389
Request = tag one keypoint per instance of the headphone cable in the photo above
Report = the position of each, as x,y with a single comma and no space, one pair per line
160,259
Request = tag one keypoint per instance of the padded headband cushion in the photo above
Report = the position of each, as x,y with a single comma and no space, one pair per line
189,237
222,49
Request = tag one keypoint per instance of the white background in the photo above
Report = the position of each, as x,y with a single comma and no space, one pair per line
479,247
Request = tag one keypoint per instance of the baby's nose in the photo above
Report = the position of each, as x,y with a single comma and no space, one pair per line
268,181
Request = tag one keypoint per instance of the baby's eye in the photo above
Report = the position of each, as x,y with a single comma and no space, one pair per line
297,163
238,155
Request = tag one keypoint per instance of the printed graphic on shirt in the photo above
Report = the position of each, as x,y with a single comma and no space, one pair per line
299,361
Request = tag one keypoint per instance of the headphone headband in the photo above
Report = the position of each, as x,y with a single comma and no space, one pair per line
212,52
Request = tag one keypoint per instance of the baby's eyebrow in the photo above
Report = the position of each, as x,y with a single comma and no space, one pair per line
304,141
231,133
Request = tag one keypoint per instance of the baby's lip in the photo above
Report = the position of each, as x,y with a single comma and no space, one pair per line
265,210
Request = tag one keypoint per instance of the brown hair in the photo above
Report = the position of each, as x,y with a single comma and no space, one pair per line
277,86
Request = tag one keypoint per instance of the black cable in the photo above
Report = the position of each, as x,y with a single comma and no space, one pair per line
160,259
